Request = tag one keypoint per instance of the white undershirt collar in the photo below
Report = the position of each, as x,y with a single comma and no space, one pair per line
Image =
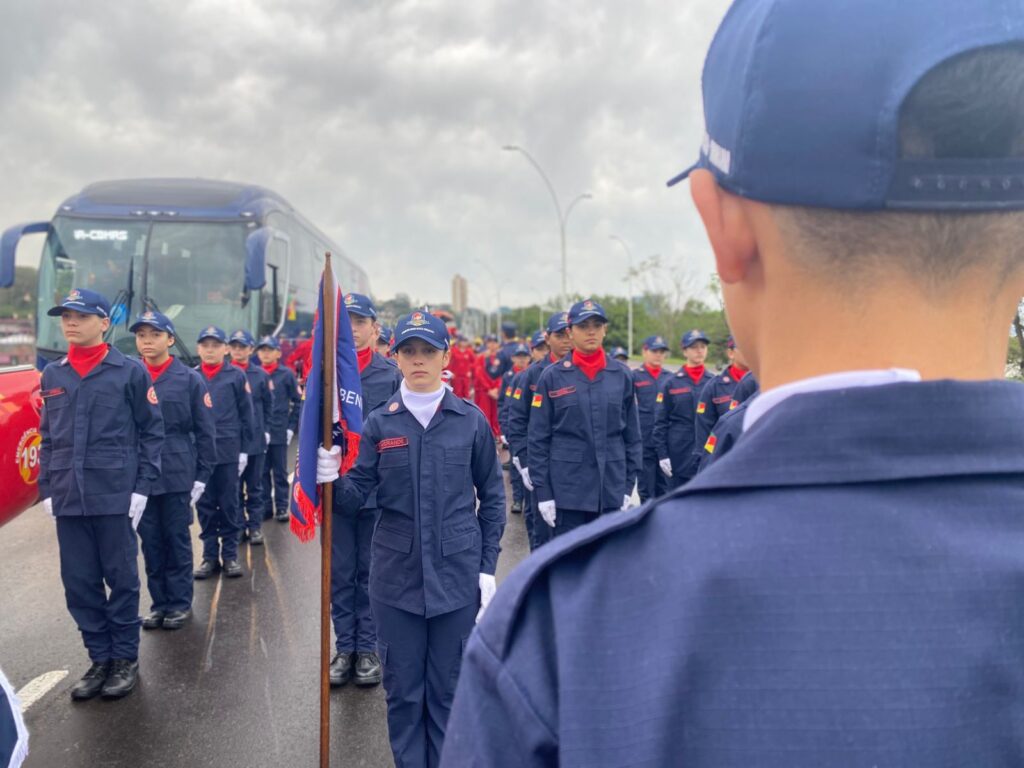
422,405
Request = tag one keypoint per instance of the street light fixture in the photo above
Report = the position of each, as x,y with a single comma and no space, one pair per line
629,289
563,218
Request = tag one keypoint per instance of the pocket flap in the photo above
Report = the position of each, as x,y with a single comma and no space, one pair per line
459,543
399,542
104,460
458,456
565,453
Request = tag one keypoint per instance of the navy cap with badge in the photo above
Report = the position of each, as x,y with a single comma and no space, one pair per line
242,336
358,304
584,310
82,300
490,337
655,343
385,334
730,343
520,349
270,342
620,353
537,339
802,104
692,337
213,332
157,320
559,321
421,325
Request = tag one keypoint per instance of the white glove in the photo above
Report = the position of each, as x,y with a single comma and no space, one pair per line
488,586
327,464
504,442
666,467
197,491
243,461
525,472
266,438
290,434
48,506
627,502
517,465
135,509
547,511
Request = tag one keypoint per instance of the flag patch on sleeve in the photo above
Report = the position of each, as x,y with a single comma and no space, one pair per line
709,446
701,407
537,400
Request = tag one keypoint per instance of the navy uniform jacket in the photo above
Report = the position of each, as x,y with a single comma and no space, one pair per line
190,446
729,428
854,599
101,436
715,398
505,393
519,409
583,442
284,414
262,391
674,421
232,410
647,389
431,541
380,379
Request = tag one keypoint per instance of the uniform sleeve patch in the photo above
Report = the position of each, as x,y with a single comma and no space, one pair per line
508,391
537,400
709,446
701,407
518,394
151,396
392,442
734,405
660,398
561,392
207,400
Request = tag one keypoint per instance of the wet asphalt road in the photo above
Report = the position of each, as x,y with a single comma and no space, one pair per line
237,686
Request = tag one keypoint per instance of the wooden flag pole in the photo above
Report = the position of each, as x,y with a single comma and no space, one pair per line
330,355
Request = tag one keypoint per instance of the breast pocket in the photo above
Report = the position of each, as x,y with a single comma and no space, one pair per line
568,416
59,415
394,488
108,421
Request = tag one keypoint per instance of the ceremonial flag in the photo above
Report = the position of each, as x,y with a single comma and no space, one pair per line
343,396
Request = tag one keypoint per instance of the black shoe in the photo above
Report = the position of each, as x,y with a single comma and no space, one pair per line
517,507
124,673
92,681
232,569
176,619
154,620
341,669
256,537
206,570
368,670
282,516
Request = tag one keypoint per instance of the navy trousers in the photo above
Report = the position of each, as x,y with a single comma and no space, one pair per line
275,478
167,551
251,493
516,481
351,535
528,518
219,516
98,553
421,659
569,520
651,482
542,532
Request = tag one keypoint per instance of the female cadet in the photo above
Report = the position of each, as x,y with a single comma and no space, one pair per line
186,463
282,425
431,457
583,438
677,409
716,396
520,356
647,382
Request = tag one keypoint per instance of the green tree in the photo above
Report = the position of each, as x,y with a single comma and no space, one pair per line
19,300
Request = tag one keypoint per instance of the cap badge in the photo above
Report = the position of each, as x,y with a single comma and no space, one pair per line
416,319
149,316
211,331
74,295
658,340
349,300
588,305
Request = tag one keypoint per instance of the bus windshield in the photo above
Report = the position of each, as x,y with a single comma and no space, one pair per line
191,271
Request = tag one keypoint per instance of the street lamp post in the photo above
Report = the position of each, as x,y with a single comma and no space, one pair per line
497,295
629,289
563,218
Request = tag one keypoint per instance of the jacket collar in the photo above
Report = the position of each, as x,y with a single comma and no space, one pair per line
449,402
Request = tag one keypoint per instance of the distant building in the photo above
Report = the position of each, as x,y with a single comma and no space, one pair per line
460,294
17,342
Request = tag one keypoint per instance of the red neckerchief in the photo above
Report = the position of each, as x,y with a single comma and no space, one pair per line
552,358
738,373
655,371
590,363
363,357
518,368
84,359
240,366
696,372
209,371
155,371
270,368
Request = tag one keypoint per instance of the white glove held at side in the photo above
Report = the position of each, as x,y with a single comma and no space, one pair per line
627,502
666,467
266,438
517,465
197,491
328,464
525,472
243,461
488,586
547,511
48,506
135,509
289,434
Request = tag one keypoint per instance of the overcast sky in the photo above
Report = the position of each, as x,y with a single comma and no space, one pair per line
382,121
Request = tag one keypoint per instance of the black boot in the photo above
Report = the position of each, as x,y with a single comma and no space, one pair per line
368,671
517,507
282,516
341,669
176,619
124,673
154,620
207,569
232,569
92,681
256,536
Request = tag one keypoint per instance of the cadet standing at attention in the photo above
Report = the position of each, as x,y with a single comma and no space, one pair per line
352,530
251,493
101,435
716,397
186,463
676,412
730,427
647,383
584,448
282,425
520,356
431,457
384,342
844,588
220,519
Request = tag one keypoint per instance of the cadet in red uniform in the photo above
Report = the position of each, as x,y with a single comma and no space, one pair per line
102,434
488,382
463,366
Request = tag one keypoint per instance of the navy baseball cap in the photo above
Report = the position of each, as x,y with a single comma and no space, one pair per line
508,327
490,337
82,300
537,339
421,325
213,332
692,337
242,336
620,352
582,310
802,103
730,343
358,304
558,322
520,349
157,320
269,341
385,334
655,343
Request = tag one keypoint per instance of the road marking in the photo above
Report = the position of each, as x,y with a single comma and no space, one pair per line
34,690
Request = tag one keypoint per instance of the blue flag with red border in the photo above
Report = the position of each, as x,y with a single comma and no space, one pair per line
345,399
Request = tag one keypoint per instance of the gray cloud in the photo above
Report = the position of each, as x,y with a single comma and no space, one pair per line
382,121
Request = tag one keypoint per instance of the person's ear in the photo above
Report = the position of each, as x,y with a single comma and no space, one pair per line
729,229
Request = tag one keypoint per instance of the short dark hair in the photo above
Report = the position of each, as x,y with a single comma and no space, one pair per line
971,106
